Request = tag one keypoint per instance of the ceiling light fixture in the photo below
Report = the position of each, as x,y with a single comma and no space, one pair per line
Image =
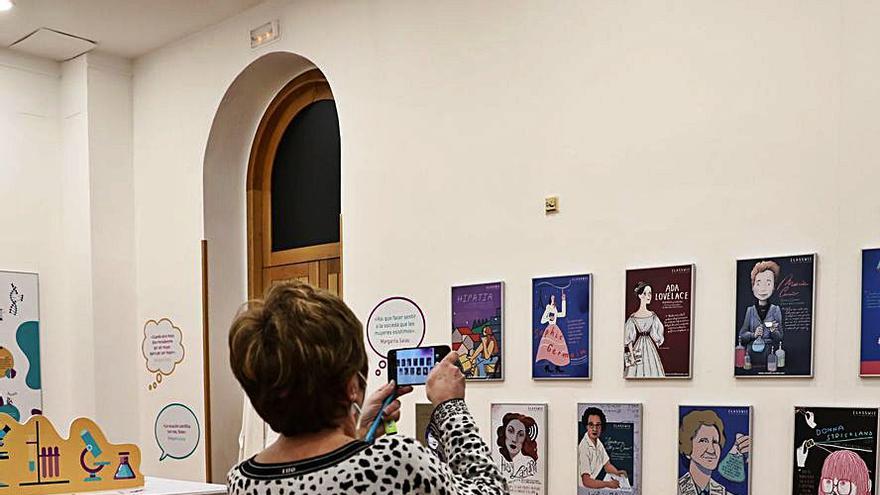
6,5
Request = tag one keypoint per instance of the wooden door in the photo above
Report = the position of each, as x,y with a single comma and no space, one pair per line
320,263
324,274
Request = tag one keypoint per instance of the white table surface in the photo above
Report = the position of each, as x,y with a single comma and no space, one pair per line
162,486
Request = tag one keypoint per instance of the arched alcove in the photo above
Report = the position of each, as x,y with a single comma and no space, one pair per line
225,225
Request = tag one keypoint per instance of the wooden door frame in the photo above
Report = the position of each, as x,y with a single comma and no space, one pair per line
299,93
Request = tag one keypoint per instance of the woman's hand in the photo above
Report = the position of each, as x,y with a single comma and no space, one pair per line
445,381
372,404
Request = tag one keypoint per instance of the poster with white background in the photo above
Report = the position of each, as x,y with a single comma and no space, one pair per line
20,380
519,446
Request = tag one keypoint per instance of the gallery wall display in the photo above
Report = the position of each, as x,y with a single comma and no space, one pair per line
775,301
36,460
658,324
609,452
870,359
561,330
477,329
714,445
835,450
20,378
519,446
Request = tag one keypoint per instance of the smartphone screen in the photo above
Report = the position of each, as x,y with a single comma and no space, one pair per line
411,366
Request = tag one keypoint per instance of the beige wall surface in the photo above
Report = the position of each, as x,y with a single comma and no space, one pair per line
673,132
66,184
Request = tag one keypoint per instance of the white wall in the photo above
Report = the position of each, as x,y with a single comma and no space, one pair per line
672,132
65,146
31,214
117,333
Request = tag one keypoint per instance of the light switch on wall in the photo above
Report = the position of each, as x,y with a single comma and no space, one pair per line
551,204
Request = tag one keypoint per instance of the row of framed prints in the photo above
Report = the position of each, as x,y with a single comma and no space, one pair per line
834,450
772,334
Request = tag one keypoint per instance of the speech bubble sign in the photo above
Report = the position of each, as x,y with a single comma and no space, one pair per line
395,323
177,432
162,346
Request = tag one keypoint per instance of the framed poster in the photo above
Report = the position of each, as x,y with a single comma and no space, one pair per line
870,358
775,301
658,325
519,446
609,453
477,329
834,448
561,330
714,443
21,394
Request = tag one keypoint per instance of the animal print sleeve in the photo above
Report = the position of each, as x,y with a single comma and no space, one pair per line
468,461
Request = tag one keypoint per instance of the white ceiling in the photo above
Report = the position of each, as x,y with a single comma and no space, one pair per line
128,28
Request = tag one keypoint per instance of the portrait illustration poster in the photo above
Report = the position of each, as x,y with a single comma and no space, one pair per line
609,452
714,449
519,446
834,448
658,322
775,300
561,327
870,358
477,329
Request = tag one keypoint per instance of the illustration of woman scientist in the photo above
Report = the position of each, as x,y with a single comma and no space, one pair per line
516,441
643,338
552,347
701,441
762,326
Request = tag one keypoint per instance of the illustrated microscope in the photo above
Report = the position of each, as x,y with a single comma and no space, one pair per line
93,449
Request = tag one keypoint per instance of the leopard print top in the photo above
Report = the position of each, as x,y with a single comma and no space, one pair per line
393,464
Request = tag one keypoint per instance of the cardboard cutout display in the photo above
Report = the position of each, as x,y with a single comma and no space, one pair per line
36,460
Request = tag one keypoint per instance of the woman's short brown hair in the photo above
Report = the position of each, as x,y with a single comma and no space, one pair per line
763,266
691,424
294,353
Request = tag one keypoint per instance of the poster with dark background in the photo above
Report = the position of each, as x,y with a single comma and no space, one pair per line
840,440
622,439
790,298
870,359
477,329
672,302
732,470
561,337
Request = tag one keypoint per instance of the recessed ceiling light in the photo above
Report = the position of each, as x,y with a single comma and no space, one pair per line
6,5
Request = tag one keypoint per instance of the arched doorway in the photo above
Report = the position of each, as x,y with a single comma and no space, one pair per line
294,191
226,271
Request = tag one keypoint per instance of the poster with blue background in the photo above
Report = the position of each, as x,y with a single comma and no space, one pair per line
714,445
870,365
561,327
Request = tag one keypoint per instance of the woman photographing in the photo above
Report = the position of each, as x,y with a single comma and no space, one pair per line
299,355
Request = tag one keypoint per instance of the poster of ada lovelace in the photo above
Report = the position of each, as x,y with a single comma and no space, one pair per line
658,322
775,300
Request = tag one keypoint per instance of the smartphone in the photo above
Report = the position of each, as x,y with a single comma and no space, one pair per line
411,366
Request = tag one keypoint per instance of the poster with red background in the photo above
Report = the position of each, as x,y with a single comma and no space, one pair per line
658,322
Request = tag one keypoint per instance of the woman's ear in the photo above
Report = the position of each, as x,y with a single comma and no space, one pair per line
353,388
